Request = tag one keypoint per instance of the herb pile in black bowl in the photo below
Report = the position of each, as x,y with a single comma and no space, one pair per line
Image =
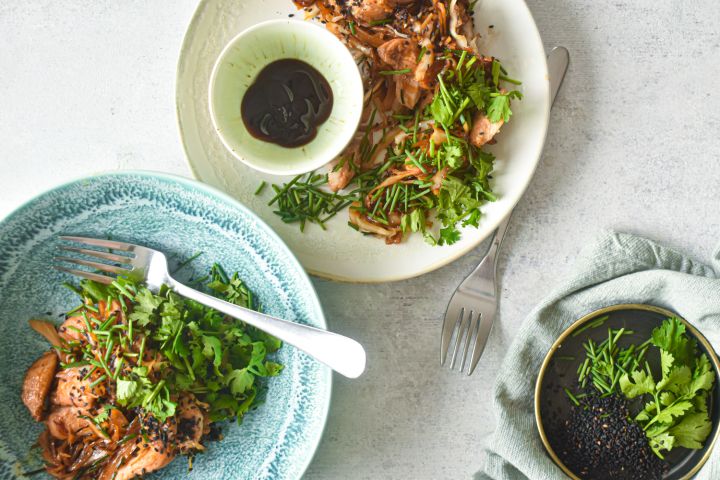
628,405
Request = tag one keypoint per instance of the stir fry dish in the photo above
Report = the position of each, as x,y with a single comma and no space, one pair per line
136,378
432,104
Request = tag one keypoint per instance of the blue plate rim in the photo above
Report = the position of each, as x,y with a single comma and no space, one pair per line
222,197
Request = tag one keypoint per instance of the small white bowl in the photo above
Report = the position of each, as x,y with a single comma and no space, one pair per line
248,53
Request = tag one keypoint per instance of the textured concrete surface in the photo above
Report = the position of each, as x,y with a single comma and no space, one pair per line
89,86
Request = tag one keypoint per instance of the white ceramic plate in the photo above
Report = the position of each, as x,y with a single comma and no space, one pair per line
341,253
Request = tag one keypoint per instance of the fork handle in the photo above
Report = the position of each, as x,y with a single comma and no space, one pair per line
342,354
488,264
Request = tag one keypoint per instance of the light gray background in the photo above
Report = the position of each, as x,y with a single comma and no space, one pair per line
88,86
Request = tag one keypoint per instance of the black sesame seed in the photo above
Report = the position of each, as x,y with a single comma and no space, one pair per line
599,441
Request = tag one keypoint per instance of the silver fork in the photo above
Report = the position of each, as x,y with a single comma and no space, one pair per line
142,264
471,311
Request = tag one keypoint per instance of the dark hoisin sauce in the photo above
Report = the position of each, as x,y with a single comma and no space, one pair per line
287,103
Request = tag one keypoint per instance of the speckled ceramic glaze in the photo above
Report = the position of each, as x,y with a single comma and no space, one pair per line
179,217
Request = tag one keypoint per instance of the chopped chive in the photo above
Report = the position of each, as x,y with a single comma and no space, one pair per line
99,380
142,350
415,161
87,375
395,72
187,261
420,194
121,360
593,324
510,80
422,54
572,397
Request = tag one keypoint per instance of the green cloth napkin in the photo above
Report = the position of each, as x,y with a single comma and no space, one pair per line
620,268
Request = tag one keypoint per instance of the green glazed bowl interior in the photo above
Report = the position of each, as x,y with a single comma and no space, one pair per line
559,371
239,64
180,217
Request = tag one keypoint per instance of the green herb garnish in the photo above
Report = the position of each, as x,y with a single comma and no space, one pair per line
200,350
676,410
450,176
395,72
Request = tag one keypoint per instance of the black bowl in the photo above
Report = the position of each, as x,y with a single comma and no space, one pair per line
558,371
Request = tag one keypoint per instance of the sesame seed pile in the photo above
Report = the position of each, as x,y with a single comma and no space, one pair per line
600,441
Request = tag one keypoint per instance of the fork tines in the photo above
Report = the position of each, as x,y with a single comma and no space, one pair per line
120,264
458,337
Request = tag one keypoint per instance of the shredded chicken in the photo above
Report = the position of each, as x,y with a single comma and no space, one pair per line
88,435
76,387
483,130
193,423
372,10
67,423
139,458
401,47
359,220
73,329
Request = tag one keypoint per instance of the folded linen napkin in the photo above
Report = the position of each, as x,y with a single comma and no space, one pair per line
620,268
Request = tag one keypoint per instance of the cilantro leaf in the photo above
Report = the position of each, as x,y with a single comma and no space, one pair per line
663,441
125,390
675,410
448,236
145,308
212,349
499,108
440,111
273,369
643,383
670,336
666,398
453,156
676,381
479,93
646,412
473,219
239,381
692,430
666,361
703,376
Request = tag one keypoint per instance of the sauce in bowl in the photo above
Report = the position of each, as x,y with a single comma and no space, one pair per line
287,103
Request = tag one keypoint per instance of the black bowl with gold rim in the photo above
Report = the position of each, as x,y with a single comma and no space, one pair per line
559,371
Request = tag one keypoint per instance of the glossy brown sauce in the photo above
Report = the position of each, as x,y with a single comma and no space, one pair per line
287,103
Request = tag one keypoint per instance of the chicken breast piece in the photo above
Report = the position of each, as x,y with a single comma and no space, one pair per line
37,383
72,329
399,53
367,11
483,130
193,423
75,390
67,422
142,457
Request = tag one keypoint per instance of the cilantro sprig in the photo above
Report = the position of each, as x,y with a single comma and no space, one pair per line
675,412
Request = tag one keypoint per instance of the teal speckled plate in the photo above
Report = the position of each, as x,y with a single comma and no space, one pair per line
180,217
